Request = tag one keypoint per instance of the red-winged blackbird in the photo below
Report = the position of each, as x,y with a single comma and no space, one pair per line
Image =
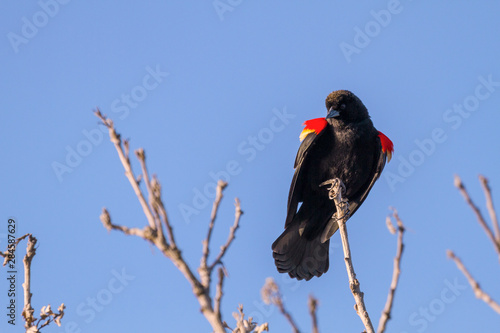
343,145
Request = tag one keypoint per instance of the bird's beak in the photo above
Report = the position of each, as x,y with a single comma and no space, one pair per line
332,113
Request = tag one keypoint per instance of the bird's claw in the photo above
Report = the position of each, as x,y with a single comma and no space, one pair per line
335,192
335,185
347,213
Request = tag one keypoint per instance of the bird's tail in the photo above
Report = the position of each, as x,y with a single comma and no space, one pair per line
301,258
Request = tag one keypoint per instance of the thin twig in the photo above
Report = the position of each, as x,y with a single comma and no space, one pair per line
205,276
474,284
237,215
342,216
246,325
141,156
50,316
155,183
28,310
218,292
479,216
289,318
146,233
386,313
271,294
491,208
313,307
221,185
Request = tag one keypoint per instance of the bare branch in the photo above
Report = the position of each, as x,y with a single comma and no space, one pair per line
116,140
386,313
342,214
237,215
32,324
313,305
150,233
479,216
28,310
491,208
156,214
496,241
221,185
271,294
474,284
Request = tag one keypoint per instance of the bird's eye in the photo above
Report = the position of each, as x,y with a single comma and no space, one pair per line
342,106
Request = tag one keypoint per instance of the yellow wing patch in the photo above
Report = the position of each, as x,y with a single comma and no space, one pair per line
305,132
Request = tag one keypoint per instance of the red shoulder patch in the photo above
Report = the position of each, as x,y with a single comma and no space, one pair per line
315,125
387,145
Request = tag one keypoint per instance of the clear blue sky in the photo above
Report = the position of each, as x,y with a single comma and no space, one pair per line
199,89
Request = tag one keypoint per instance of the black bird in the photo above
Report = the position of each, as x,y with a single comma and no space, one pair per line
343,145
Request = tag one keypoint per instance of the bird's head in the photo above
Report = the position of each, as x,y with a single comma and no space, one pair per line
344,106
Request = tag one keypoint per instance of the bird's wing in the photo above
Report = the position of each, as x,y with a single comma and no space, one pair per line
383,154
380,158
310,134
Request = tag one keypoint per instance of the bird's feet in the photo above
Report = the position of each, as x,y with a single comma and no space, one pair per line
336,185
336,191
